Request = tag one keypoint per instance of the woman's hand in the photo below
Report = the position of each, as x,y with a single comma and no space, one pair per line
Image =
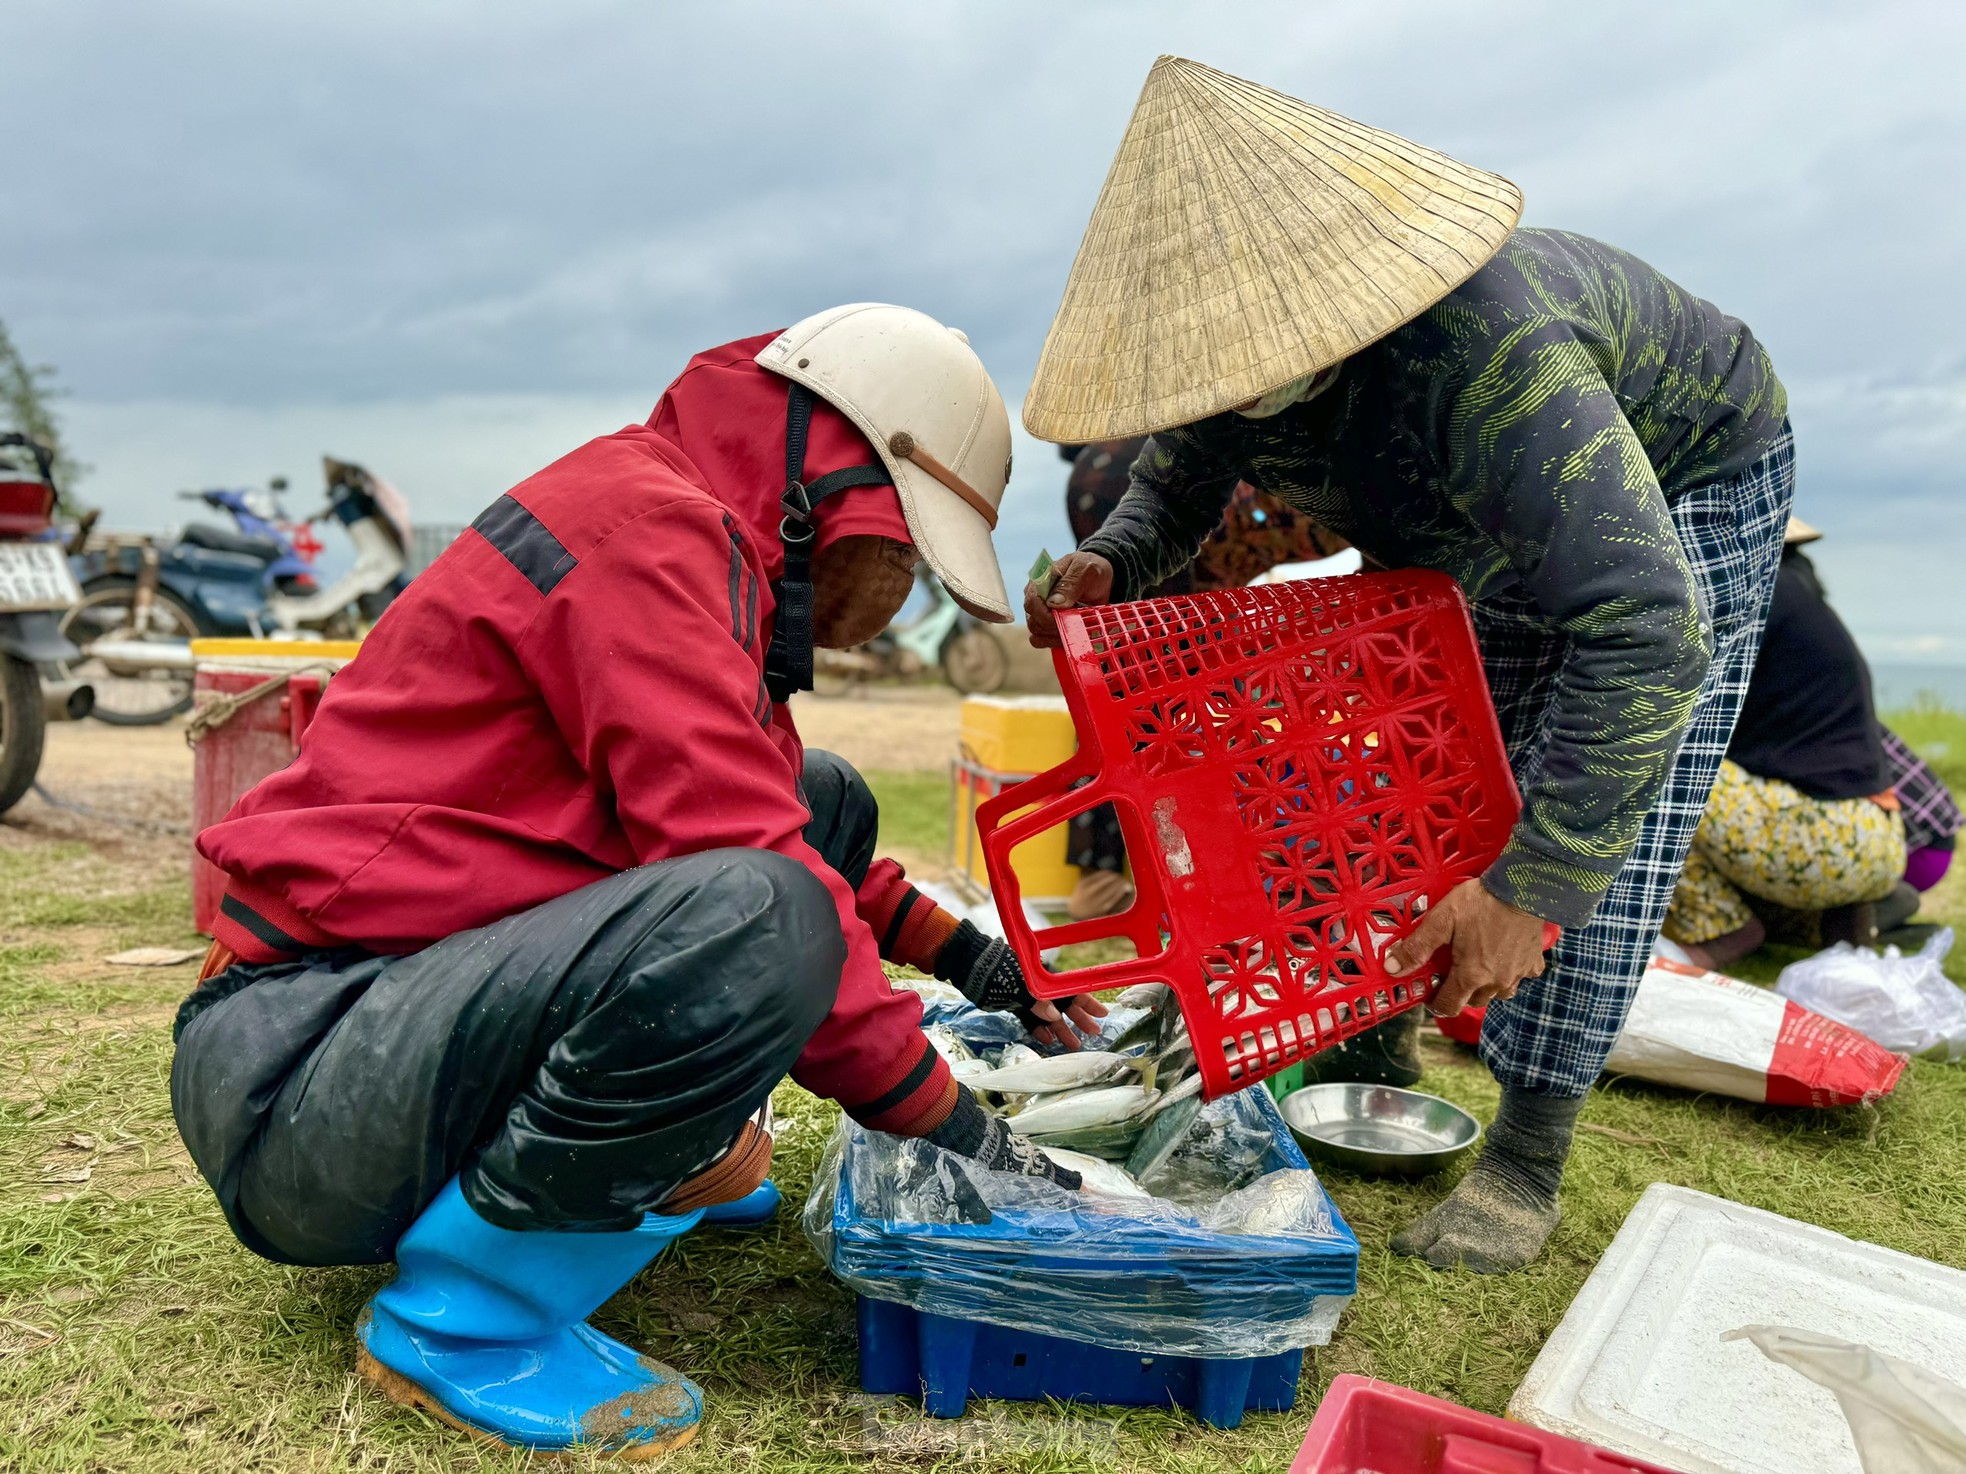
1494,948
1082,578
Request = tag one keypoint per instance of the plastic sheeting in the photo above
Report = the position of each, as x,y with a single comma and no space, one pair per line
1262,1268
1903,1419
1907,1004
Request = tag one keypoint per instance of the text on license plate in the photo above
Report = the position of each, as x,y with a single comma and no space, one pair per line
35,576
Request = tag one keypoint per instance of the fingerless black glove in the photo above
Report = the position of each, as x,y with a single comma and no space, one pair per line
986,1140
983,969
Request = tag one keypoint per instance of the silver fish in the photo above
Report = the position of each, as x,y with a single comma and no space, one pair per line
1114,1142
1166,1132
1100,1175
1016,1054
1104,1107
948,1045
1061,1072
1173,1025
1144,995
1188,1089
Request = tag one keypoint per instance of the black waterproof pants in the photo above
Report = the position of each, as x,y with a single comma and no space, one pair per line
573,1063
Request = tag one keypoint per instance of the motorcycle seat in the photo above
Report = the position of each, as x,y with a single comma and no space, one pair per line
203,535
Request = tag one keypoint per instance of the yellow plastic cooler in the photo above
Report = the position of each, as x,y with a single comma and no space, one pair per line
1005,739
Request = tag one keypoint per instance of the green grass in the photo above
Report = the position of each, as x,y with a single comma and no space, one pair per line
135,1334
914,812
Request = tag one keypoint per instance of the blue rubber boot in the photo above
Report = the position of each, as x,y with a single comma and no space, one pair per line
760,1205
486,1328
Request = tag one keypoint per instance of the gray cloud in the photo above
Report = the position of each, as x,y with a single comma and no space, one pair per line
409,219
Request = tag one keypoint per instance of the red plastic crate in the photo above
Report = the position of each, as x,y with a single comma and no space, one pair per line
1300,769
1368,1427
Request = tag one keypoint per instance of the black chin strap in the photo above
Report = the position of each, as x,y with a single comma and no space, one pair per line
788,659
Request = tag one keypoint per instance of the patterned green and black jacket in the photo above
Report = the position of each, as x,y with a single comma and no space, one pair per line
1527,434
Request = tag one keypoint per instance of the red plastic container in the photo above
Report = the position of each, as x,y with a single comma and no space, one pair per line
1368,1427
258,740
1299,769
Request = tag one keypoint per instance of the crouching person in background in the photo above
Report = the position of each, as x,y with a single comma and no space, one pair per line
512,956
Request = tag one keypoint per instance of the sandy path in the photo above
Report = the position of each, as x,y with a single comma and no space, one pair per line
884,728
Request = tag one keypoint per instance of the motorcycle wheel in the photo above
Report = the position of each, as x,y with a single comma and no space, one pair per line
976,662
130,701
23,728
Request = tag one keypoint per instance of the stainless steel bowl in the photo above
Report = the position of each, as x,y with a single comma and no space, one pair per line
1379,1129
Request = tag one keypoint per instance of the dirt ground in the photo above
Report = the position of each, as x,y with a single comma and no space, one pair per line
123,791
883,729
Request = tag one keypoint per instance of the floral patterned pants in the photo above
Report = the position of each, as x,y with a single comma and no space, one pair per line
1765,839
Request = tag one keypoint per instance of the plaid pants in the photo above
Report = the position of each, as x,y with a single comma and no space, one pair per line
1554,1035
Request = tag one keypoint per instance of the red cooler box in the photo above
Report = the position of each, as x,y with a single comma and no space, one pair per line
1368,1427
253,698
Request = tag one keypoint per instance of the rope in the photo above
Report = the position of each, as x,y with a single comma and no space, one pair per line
155,826
216,709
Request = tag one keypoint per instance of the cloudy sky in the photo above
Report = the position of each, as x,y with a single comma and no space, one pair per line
454,238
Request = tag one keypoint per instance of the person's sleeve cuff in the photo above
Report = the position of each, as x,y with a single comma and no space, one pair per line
1547,889
917,1098
1124,589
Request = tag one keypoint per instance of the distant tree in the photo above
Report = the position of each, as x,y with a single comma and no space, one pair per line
27,392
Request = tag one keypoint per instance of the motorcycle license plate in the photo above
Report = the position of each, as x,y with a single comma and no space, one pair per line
36,576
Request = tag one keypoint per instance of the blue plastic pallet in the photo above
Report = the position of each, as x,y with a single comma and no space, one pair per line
946,1359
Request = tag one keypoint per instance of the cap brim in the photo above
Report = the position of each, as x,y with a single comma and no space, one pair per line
953,539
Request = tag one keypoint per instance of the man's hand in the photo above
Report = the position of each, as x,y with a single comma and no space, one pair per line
970,1131
1081,578
985,971
1494,947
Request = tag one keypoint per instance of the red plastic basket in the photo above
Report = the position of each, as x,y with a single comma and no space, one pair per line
1368,1427
1299,770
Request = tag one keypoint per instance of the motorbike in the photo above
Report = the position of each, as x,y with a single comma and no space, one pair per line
289,561
35,586
143,603
971,656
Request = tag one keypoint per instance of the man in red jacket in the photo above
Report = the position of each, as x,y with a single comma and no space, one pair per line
512,955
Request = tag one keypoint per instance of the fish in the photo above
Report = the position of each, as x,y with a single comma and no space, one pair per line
1173,1025
1015,1054
1100,1176
1103,1107
1151,996
1168,1129
1115,1141
1188,1089
1061,1072
948,1044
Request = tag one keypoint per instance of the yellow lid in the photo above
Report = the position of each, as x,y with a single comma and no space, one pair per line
275,649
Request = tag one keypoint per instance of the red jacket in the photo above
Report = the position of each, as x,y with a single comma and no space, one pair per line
574,688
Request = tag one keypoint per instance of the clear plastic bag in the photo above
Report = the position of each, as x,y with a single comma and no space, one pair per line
1265,1268
1903,1419
1907,1004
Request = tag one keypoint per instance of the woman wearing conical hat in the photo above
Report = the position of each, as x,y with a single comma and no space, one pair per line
1354,324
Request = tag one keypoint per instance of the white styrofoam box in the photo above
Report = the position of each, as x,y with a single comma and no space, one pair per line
1638,1364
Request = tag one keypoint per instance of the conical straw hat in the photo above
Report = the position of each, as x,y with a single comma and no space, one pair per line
1244,239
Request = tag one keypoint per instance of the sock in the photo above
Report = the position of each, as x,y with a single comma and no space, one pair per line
1529,1143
